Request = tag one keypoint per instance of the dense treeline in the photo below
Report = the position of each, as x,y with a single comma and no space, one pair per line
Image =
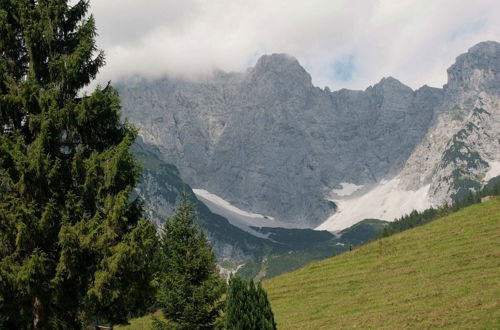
75,249
416,218
74,245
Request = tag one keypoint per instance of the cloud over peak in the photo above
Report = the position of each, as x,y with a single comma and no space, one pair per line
341,43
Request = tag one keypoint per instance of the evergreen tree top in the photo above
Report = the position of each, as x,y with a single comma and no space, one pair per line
191,288
247,306
73,244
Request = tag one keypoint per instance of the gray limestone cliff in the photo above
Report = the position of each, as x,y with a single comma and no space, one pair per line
463,141
270,142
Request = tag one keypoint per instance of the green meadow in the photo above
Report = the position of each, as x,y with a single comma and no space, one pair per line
445,274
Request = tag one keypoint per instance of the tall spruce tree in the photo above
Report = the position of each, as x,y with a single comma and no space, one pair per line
247,306
190,288
73,245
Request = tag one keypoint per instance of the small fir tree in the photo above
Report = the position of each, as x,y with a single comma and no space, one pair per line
72,243
247,306
190,287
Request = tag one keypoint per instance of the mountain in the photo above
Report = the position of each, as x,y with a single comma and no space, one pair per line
235,245
161,188
269,142
461,149
440,275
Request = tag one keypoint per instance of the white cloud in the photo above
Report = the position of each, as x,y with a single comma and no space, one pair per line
412,40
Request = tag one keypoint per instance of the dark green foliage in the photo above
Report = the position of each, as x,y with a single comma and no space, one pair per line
464,186
294,237
415,218
190,288
363,231
158,324
412,220
481,111
72,243
247,306
492,188
464,159
298,247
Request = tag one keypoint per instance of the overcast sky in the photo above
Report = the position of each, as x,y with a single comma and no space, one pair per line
342,44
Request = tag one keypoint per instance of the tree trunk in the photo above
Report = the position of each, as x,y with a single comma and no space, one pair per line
37,311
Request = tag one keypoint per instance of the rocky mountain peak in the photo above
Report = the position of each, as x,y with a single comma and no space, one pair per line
390,95
278,63
485,47
281,69
270,143
476,69
391,83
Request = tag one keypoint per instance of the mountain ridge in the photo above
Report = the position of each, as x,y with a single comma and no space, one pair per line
269,142
160,189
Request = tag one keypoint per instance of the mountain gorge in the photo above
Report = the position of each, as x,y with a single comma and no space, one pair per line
269,142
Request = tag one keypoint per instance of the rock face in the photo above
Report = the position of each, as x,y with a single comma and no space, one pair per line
270,142
160,189
463,141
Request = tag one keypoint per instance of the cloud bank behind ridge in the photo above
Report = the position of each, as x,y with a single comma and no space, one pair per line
342,44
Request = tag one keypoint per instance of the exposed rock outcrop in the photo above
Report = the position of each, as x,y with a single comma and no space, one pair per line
270,142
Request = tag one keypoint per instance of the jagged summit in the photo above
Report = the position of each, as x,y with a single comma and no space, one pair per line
492,44
390,83
280,68
477,69
271,143
277,63
484,49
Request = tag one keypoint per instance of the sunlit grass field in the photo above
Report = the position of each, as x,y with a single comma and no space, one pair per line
444,274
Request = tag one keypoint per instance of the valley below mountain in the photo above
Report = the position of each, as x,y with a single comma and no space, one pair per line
240,239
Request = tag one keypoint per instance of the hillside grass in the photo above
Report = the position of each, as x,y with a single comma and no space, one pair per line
445,274
141,323
303,246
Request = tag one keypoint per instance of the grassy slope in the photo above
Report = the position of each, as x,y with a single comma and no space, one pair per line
141,323
443,274
302,246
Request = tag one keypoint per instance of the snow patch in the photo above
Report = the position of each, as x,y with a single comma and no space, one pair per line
387,201
493,171
236,216
225,204
347,189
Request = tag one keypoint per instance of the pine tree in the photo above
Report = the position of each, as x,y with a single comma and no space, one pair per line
73,245
247,306
190,288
